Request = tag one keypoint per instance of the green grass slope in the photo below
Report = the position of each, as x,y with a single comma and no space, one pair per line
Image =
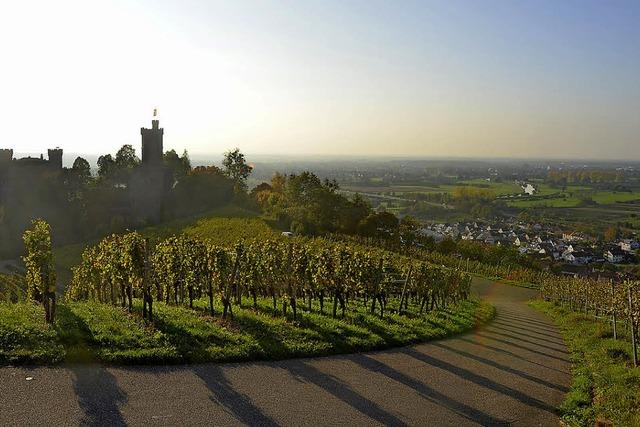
606,388
89,331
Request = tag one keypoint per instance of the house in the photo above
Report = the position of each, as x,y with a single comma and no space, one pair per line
628,245
528,189
437,237
615,255
490,239
578,257
573,237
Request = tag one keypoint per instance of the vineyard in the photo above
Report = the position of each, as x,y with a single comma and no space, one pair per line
292,274
617,304
504,271
148,298
599,321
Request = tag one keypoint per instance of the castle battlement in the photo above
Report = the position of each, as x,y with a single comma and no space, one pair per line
54,159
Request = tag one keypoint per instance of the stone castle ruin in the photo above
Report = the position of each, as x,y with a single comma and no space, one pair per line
147,186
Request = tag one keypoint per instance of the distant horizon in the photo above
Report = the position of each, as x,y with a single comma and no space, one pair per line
205,158
527,79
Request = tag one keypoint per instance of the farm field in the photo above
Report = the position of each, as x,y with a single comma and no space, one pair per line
570,199
500,188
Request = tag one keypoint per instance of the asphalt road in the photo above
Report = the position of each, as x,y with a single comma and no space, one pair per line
512,371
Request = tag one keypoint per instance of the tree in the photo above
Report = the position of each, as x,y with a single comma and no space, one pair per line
179,166
204,187
41,273
106,166
126,161
354,211
610,234
236,168
81,170
380,225
126,157
77,179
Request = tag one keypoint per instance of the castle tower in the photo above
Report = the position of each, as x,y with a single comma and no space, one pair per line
6,155
152,143
149,183
55,158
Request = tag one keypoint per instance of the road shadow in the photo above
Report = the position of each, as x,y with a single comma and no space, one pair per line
308,373
504,333
512,315
224,394
428,393
508,353
502,367
538,331
480,380
522,347
99,396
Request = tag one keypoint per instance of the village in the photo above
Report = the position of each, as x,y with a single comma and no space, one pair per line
575,253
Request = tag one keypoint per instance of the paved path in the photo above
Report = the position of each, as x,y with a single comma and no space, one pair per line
513,371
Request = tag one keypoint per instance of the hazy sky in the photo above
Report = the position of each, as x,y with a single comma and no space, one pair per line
428,78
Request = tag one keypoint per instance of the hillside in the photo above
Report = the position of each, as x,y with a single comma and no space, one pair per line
221,225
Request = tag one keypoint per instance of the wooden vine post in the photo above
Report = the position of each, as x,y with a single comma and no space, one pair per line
613,311
404,288
634,343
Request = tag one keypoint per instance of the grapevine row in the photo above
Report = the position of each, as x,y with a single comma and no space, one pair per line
292,273
605,300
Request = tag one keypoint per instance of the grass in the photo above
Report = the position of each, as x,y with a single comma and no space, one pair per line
89,332
25,337
606,388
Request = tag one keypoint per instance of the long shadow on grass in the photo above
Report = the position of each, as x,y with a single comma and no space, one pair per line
342,391
75,335
223,393
99,396
325,330
428,393
436,324
189,346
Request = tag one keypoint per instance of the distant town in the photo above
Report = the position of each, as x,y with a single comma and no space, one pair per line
574,252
